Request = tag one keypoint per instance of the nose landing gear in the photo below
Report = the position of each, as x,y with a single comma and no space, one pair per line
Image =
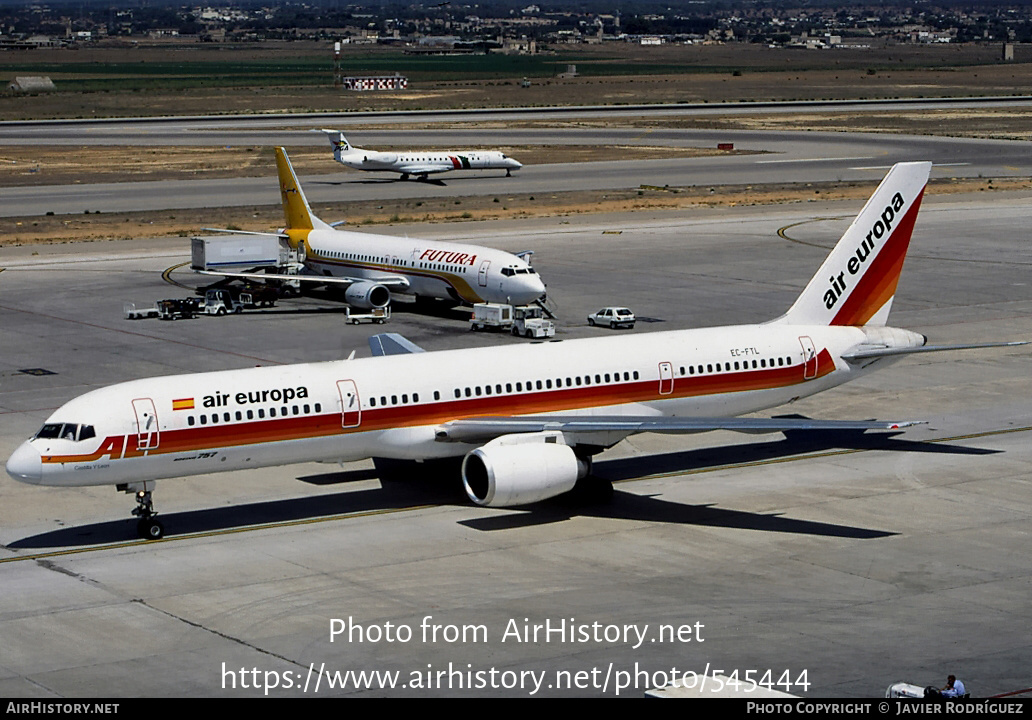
148,526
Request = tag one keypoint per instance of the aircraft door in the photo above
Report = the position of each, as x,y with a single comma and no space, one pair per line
483,272
666,378
809,358
350,406
147,434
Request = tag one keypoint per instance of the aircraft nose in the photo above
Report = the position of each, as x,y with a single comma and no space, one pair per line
515,164
25,464
534,286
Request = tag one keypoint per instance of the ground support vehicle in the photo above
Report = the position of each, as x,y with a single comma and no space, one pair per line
376,315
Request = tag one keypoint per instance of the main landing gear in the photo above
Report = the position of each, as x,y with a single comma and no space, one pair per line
148,526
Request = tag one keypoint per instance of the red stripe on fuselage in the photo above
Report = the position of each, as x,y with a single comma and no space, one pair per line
300,427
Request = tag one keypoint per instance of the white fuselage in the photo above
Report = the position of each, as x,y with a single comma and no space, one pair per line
455,271
426,163
390,406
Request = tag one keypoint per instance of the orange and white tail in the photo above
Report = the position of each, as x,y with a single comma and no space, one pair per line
298,214
857,282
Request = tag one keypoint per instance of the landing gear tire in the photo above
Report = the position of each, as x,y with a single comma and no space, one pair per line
150,529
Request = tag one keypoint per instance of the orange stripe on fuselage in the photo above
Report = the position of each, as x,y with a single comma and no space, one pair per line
238,434
461,287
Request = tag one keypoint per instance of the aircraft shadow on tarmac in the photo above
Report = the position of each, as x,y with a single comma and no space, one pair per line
438,485
378,181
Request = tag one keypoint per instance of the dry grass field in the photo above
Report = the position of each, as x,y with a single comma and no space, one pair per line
611,74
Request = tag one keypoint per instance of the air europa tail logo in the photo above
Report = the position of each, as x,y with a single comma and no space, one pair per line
855,263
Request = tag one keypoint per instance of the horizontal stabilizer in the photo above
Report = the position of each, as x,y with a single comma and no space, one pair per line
482,428
867,354
392,344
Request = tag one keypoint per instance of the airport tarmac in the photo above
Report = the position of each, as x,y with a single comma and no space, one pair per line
838,564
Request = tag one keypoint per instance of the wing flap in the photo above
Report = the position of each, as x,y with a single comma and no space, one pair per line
486,428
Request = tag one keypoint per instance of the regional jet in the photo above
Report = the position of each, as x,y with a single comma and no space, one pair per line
418,163
525,420
372,267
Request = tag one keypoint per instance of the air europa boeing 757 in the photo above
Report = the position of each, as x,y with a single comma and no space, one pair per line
525,419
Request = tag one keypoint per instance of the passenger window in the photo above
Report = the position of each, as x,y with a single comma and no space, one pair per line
318,407
190,421
272,412
204,419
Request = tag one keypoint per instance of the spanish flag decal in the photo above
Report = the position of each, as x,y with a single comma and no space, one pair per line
183,404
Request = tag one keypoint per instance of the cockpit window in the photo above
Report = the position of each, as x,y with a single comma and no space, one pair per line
66,431
50,430
508,272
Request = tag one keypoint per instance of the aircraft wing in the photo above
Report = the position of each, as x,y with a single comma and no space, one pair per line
422,169
393,283
487,428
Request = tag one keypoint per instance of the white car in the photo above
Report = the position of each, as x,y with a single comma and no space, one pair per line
614,317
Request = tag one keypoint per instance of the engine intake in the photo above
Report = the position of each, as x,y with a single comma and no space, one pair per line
367,295
521,469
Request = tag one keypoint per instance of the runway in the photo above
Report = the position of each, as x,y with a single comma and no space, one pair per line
859,560
772,157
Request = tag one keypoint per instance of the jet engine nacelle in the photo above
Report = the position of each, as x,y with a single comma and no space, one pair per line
521,469
367,295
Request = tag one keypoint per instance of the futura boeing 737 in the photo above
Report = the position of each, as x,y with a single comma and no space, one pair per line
371,267
418,163
525,419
